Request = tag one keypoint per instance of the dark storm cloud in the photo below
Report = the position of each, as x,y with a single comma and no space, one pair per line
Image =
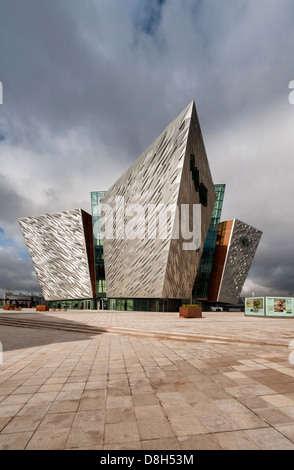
88,86
16,273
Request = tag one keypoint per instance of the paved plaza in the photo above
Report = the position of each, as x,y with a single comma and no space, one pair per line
110,380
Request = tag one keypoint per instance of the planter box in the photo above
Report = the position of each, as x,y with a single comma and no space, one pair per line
42,308
191,312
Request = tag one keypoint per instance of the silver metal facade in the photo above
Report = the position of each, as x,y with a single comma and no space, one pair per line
160,268
243,244
57,246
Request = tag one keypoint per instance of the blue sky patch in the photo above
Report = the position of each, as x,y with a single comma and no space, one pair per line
4,240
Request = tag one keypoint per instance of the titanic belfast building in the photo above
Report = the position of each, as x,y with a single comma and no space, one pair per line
154,240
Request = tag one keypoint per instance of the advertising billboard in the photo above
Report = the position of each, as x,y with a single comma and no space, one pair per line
254,306
279,306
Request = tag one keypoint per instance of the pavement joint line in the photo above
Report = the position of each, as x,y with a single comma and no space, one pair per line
89,329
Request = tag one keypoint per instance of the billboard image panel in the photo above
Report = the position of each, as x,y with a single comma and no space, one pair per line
254,306
279,306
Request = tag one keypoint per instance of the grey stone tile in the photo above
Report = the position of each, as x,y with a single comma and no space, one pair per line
198,442
155,429
235,440
218,423
119,433
57,420
269,439
15,441
55,440
187,425
23,423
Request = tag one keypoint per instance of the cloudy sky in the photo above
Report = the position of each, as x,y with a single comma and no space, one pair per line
88,85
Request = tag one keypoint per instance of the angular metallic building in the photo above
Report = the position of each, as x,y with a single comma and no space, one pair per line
154,240
202,280
236,246
171,173
61,248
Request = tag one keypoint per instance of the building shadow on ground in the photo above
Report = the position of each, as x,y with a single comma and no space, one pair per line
31,329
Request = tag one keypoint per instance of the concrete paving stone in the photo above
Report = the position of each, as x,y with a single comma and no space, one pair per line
269,439
289,411
181,409
119,433
117,383
273,416
95,385
162,444
15,441
100,392
119,401
194,397
241,392
163,387
235,375
77,379
198,442
215,394
123,446
230,405
72,386
283,387
34,381
89,419
91,404
218,423
57,420
145,399
143,390
187,425
151,412
42,440
287,430
136,377
16,399
35,408
154,428
120,415
206,408
63,406
25,390
290,395
242,368
171,398
254,403
4,421
50,388
55,380
246,420
22,424
59,374
119,391
278,400
186,387
69,395
41,397
9,410
234,440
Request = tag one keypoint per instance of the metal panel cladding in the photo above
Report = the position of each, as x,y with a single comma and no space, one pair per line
172,172
235,250
60,248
